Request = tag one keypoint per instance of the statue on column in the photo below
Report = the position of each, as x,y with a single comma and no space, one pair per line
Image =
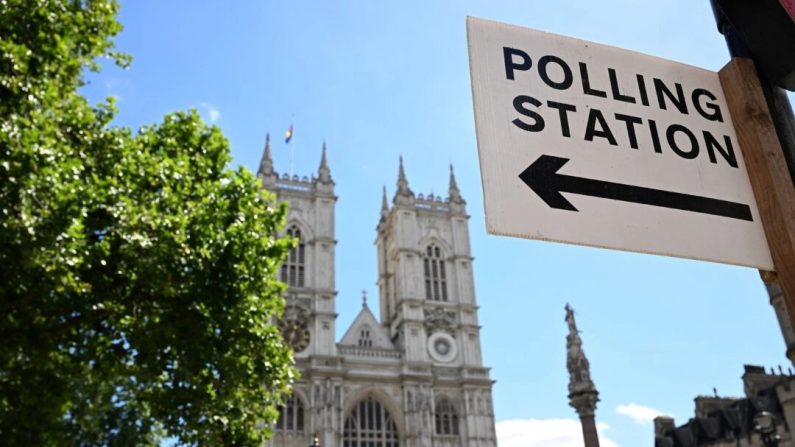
582,391
576,362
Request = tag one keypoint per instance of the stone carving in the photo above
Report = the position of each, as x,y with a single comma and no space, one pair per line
423,404
582,391
328,401
423,401
439,320
570,319
327,404
296,311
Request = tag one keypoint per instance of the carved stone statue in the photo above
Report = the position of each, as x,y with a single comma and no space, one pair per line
576,362
439,320
582,391
570,319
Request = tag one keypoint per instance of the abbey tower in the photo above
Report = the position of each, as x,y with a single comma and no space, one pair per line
414,376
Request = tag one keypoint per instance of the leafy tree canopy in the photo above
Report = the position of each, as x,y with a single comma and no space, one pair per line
136,270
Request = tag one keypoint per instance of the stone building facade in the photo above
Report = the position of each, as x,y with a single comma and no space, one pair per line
765,416
762,418
413,377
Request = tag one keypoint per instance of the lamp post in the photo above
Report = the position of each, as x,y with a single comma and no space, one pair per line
315,442
765,425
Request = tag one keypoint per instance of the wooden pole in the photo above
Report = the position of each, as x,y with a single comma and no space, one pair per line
767,169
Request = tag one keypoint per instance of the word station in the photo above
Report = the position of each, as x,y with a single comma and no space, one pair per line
557,74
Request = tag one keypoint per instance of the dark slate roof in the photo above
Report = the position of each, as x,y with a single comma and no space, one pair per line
731,422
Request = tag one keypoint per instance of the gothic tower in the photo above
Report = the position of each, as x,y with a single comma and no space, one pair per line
308,323
413,379
428,308
309,268
582,391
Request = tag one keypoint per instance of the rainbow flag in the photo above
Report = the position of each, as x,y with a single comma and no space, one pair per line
288,135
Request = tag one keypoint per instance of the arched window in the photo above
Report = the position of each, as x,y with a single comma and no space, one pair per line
446,418
364,337
293,267
435,274
291,415
370,425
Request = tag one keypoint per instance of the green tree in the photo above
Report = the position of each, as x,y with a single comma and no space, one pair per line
137,270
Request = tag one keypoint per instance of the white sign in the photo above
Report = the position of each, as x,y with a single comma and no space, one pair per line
594,145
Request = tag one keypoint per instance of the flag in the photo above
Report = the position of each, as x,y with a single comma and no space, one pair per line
288,135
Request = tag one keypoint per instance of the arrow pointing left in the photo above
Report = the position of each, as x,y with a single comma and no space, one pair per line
542,177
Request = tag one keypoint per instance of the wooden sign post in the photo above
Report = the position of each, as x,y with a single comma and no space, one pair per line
767,169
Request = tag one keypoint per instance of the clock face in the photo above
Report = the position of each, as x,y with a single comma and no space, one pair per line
295,333
442,347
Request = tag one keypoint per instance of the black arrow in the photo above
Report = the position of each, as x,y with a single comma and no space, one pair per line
543,179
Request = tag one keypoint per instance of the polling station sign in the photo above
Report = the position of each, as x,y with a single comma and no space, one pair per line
595,145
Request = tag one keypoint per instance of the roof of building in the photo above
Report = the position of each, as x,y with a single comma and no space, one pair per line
725,419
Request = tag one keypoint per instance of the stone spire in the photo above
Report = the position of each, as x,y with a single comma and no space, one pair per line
403,195
582,391
265,171
323,172
402,183
454,194
266,163
384,203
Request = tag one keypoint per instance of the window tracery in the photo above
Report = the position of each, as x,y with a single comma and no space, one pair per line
446,418
291,415
294,266
369,424
435,274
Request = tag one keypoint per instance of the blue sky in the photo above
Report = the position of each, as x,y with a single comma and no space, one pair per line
376,80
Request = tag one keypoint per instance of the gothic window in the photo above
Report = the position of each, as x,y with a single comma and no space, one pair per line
291,415
369,424
446,418
293,267
364,337
435,274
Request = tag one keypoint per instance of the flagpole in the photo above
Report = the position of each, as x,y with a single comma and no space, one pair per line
292,157
292,149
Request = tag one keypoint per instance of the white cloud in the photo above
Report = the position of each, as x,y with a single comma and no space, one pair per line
639,413
212,111
546,433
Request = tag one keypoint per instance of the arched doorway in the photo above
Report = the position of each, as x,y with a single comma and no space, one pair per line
369,424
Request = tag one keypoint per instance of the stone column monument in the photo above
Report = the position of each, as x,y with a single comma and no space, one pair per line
582,392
